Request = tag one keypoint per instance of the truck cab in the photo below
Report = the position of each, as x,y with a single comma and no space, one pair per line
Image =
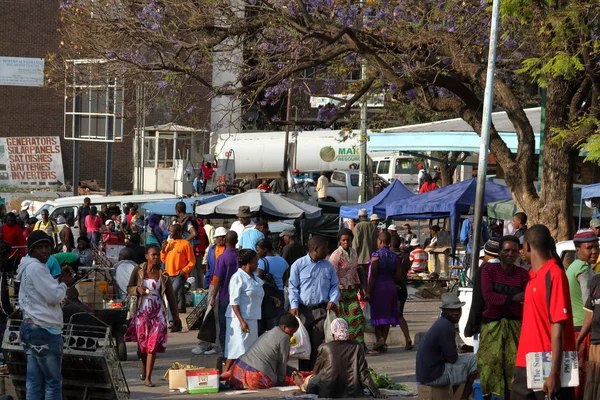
400,167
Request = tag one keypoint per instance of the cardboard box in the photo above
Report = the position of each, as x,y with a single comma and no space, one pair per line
92,293
439,392
202,380
177,379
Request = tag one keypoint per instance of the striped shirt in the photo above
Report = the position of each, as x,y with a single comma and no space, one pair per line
498,289
419,258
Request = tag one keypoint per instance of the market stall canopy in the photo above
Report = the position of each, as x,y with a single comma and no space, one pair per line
259,201
167,207
505,209
449,201
377,205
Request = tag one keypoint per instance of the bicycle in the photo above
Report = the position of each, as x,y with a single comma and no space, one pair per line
463,279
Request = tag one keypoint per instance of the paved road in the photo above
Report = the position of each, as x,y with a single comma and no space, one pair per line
397,363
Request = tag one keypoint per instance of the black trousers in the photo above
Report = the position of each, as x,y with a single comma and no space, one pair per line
520,391
314,322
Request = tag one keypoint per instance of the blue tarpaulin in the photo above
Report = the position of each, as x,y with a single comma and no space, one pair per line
449,201
377,205
167,207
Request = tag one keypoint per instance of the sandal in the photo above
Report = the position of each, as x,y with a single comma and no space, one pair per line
378,345
409,345
149,384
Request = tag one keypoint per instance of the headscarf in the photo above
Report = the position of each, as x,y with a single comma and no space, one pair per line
339,329
153,222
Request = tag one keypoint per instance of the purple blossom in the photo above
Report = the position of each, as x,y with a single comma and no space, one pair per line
392,87
326,112
110,54
66,4
162,84
411,95
191,109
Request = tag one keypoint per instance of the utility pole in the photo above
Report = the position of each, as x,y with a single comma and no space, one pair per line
484,146
362,194
287,132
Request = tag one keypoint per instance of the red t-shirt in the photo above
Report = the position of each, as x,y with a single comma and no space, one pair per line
539,311
13,235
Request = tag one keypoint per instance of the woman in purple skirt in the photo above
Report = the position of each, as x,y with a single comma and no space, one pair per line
385,270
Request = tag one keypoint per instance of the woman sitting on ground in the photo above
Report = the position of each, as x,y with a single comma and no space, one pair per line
265,364
341,369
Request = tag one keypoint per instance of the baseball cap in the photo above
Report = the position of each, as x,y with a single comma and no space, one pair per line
392,227
595,223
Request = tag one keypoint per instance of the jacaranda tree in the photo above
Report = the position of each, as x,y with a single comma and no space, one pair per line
429,53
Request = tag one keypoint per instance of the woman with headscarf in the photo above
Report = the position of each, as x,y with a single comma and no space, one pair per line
345,262
155,233
341,369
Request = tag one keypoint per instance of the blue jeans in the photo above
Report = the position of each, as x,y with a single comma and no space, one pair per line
44,362
222,322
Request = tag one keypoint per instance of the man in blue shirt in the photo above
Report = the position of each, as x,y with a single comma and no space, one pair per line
313,291
251,236
438,361
466,237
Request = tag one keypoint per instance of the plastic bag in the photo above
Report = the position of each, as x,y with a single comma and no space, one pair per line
367,314
300,343
327,327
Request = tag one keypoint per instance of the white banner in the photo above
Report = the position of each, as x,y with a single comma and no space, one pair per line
19,71
31,161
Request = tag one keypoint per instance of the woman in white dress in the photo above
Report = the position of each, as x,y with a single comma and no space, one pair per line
243,312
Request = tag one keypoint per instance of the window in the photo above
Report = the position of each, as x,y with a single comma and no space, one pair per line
65,211
375,163
404,166
384,167
149,152
339,176
354,178
165,151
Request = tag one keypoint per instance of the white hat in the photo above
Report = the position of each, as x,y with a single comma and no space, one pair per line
374,217
362,212
220,231
108,221
392,227
414,242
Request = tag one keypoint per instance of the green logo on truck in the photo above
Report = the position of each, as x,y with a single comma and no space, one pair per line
328,154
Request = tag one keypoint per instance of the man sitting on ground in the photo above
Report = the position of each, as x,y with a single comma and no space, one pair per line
265,364
438,362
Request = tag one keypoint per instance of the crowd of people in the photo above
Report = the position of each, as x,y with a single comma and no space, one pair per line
524,300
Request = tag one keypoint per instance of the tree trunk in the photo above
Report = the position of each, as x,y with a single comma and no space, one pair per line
553,206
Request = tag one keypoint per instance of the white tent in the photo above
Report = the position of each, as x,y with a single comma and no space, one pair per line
259,201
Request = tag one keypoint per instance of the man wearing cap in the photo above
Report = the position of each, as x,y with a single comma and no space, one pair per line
503,288
210,259
418,257
438,361
489,255
595,226
579,273
41,331
244,221
365,241
392,229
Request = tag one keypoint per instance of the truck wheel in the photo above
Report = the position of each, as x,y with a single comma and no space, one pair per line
330,199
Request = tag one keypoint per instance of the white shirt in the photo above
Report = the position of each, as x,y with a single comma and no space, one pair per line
238,228
322,185
247,293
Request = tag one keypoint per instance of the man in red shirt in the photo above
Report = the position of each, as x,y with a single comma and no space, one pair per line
547,317
12,233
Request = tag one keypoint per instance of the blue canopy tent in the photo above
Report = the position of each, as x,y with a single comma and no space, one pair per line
588,192
167,207
377,205
449,201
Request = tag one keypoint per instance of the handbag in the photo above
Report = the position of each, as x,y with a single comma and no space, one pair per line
268,309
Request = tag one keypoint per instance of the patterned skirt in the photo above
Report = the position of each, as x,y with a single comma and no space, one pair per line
497,355
349,309
244,376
